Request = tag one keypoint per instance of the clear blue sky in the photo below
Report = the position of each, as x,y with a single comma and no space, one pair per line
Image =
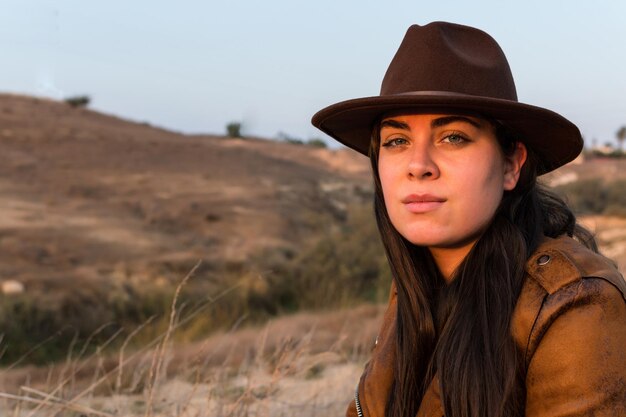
193,66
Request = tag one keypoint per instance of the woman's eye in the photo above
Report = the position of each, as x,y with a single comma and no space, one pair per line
454,139
390,143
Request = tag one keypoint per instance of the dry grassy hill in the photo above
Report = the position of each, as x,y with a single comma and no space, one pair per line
86,196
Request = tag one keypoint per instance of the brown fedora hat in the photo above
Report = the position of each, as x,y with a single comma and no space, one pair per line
449,67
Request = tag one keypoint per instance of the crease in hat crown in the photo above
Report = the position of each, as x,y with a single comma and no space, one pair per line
450,66
449,49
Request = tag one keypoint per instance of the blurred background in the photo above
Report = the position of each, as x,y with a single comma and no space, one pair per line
175,235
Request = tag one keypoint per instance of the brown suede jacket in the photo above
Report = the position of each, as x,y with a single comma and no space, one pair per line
570,320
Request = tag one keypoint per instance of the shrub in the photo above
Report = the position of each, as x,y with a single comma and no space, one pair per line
78,101
317,143
233,130
342,264
595,196
44,327
294,141
290,139
616,198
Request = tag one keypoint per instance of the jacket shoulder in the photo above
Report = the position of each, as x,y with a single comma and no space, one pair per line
561,275
560,262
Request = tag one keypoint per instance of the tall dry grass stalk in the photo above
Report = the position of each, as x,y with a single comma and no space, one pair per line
305,364
159,353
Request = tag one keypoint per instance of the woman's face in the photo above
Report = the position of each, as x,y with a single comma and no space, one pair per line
443,176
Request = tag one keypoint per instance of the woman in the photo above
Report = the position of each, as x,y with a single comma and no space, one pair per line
500,305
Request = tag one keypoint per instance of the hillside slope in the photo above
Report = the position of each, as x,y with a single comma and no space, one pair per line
91,196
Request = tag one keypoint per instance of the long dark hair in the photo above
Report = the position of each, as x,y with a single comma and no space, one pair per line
462,332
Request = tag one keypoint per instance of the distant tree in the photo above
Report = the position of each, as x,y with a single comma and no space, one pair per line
317,143
621,136
78,101
233,129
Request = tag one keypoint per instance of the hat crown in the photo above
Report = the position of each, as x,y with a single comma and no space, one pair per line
447,57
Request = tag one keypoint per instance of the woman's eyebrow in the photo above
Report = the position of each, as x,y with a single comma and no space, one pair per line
442,121
394,124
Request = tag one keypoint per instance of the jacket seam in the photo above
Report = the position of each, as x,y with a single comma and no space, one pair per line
553,317
604,279
528,358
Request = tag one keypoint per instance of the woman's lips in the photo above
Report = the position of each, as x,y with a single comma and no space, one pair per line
422,203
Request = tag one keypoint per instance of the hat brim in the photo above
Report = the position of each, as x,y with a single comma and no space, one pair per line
554,139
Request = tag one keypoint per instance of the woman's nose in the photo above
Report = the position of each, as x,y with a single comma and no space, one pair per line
422,164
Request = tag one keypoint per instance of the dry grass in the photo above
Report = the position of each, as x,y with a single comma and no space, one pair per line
305,364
